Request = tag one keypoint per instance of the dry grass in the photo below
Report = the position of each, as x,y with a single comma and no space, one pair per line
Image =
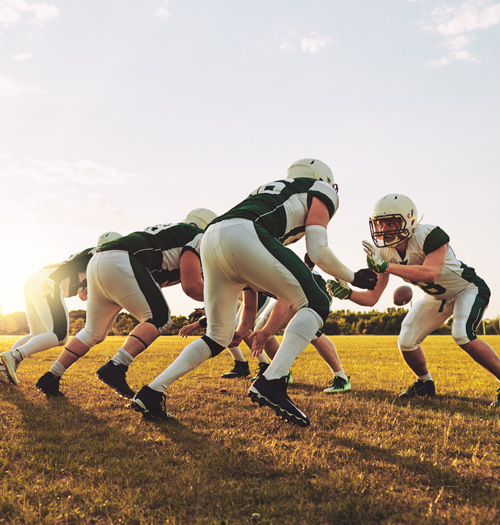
367,457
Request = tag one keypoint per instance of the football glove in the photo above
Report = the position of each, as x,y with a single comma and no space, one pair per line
48,287
197,314
339,289
373,258
365,278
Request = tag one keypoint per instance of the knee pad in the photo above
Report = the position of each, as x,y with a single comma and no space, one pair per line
460,335
405,345
215,348
89,339
162,323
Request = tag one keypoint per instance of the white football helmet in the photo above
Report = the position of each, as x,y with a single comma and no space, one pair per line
393,220
107,237
312,168
200,217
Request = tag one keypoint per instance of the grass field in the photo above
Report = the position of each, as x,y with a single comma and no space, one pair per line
367,457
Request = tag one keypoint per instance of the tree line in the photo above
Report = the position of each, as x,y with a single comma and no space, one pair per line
340,322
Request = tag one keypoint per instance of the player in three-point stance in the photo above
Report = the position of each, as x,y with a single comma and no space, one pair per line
44,294
245,248
129,273
421,255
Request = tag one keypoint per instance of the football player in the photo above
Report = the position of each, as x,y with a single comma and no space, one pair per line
245,247
129,273
421,255
47,314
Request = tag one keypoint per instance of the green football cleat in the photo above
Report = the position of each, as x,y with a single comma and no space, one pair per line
338,384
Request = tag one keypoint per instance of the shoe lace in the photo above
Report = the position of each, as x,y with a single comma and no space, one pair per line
337,382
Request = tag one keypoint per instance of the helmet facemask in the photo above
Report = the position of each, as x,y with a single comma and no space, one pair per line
388,230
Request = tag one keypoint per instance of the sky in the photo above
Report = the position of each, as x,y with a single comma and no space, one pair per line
116,115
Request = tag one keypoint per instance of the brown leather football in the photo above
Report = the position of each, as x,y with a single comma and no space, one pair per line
402,295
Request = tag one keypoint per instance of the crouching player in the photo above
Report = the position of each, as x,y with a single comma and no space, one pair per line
421,255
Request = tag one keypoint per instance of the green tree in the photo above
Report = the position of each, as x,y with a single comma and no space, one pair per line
8,325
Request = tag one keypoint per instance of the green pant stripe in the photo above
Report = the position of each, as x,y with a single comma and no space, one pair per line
160,311
316,299
478,308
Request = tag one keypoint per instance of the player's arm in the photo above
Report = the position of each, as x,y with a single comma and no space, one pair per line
370,297
190,270
247,318
427,272
321,254
280,317
341,290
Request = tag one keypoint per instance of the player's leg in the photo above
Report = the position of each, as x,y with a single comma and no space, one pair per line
101,313
139,294
326,349
241,367
48,320
467,314
423,318
269,266
221,297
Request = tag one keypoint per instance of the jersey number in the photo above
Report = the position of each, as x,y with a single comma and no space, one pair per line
275,188
431,288
153,230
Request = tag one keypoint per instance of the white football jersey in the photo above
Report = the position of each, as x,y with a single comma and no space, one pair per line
455,276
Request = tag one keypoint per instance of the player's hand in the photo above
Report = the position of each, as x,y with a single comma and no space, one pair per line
373,258
237,338
259,341
365,278
339,289
48,287
196,315
187,330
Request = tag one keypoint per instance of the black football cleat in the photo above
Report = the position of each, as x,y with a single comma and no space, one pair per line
272,393
151,404
240,369
115,377
419,389
49,385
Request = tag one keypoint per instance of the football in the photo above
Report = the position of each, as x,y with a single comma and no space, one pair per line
4,378
402,295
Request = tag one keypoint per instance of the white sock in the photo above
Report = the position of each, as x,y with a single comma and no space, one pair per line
425,378
21,342
17,355
298,335
236,353
39,343
57,369
261,358
122,357
192,356
341,374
